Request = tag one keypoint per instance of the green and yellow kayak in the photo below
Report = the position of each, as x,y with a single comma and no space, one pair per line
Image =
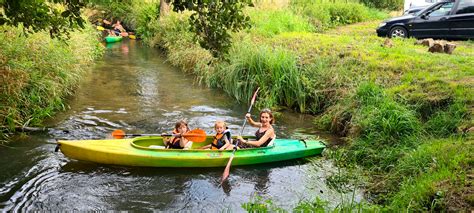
111,39
149,152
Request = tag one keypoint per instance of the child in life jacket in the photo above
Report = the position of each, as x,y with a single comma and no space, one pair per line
178,142
222,139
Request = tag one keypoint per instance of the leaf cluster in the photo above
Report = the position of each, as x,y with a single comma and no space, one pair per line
58,17
212,21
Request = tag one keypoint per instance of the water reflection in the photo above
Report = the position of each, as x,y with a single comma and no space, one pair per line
259,176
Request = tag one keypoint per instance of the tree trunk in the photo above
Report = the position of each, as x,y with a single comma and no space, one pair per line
164,7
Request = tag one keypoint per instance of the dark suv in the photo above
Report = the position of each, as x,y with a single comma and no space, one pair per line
447,19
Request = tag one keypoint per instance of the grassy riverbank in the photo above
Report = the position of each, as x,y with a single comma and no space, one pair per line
406,113
38,72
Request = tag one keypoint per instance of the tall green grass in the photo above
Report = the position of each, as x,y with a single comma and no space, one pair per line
274,70
273,22
432,176
383,121
383,129
38,72
259,204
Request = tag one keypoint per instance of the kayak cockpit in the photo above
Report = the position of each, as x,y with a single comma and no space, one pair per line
148,142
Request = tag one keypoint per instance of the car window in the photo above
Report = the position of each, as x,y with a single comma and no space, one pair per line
465,6
442,10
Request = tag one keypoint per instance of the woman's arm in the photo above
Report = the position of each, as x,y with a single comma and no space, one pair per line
251,121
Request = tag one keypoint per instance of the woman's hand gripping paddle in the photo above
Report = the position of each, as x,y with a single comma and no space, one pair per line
196,135
225,175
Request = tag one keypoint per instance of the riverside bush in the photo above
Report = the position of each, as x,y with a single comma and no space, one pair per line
38,72
384,4
274,70
438,172
383,121
384,129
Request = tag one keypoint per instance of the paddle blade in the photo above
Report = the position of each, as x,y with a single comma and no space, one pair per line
196,135
118,134
100,28
226,173
254,96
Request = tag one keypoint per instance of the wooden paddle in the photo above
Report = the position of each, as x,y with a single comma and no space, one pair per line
225,175
196,135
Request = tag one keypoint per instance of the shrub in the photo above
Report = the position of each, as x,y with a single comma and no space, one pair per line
384,4
38,72
327,15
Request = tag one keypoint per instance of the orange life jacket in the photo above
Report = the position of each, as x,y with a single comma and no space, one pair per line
219,140
174,142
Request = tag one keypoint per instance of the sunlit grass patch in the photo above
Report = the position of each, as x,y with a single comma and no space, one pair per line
273,22
327,15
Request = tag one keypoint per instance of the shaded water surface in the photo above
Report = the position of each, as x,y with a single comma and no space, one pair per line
133,88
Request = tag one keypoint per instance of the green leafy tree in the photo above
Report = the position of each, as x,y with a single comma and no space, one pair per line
56,16
213,20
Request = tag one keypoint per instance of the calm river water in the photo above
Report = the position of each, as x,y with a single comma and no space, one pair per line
133,88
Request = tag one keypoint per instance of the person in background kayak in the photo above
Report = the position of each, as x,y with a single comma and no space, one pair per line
222,140
178,142
265,133
118,28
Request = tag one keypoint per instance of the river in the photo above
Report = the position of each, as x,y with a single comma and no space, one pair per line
133,88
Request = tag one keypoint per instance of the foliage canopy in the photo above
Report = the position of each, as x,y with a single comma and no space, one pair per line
55,16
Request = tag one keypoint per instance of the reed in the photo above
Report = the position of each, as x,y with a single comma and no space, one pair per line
37,72
274,70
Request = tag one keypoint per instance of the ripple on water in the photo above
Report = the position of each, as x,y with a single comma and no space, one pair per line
30,187
213,110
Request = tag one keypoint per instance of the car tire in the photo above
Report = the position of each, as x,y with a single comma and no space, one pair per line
398,32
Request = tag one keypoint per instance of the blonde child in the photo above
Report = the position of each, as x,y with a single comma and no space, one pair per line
222,139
